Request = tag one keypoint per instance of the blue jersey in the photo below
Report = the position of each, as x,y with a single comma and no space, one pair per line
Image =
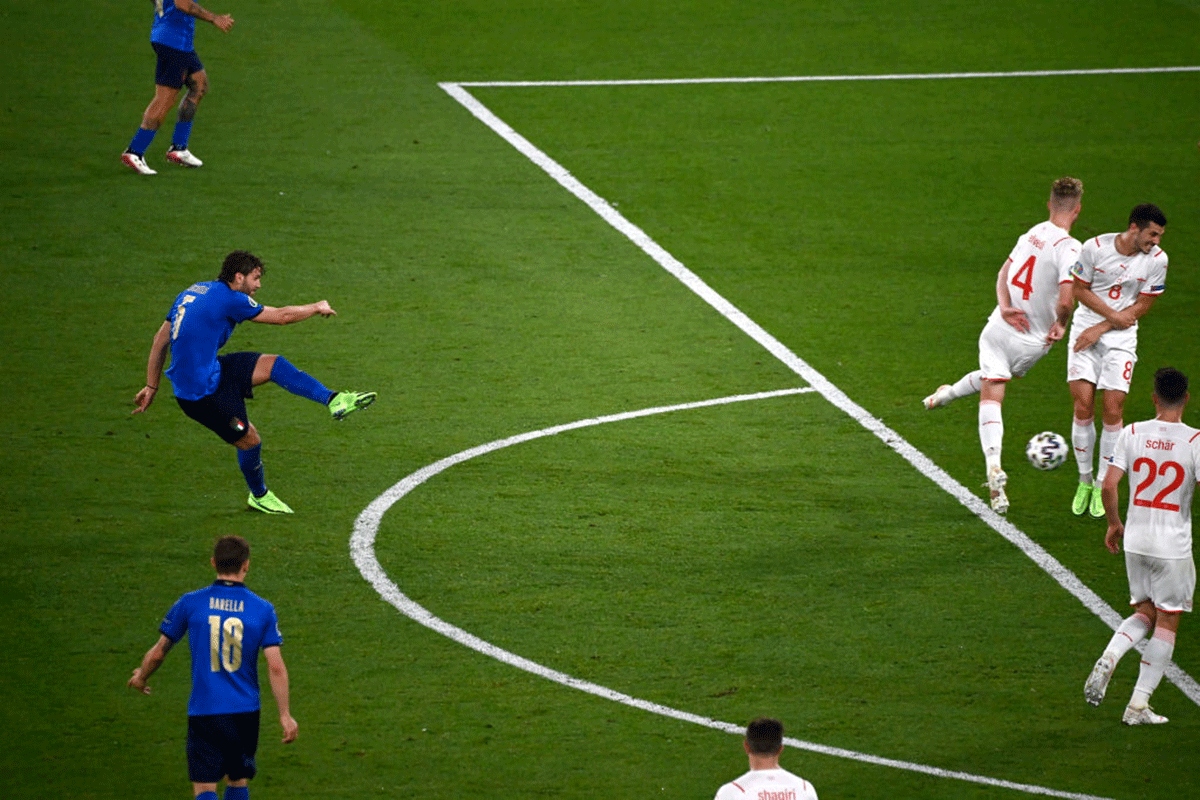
202,318
172,27
227,625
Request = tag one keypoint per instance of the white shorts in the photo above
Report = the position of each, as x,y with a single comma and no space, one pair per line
1100,365
1168,582
1004,353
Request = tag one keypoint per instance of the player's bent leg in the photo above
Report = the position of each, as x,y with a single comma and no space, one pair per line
197,87
280,371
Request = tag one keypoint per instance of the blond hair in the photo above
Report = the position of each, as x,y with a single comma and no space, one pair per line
1065,193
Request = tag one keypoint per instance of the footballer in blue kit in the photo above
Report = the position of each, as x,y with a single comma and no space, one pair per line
177,65
212,388
227,626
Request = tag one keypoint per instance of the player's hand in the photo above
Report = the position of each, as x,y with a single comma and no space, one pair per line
223,21
291,728
324,309
1016,318
1124,319
1112,539
137,682
143,399
1087,339
1055,333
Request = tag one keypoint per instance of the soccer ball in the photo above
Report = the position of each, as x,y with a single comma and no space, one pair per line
1047,450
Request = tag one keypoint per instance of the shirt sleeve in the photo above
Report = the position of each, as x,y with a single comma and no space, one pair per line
242,307
272,637
1156,280
175,624
1068,257
1083,268
1119,460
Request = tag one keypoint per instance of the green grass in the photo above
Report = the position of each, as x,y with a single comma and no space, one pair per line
760,557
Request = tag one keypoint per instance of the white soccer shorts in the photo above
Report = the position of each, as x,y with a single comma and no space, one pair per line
1168,582
1004,353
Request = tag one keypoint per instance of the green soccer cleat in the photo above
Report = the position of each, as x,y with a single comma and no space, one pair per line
1097,507
346,403
268,504
1083,497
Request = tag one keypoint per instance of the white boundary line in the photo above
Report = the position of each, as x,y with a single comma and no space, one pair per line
920,76
366,526
923,464
362,549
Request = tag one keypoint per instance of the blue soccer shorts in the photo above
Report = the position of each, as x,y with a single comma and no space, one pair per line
174,67
222,745
224,411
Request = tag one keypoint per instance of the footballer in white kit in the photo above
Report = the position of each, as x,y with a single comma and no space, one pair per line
1117,280
767,784
1034,296
1036,270
1162,460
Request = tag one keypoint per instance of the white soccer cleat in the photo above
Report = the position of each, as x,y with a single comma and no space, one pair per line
183,158
136,163
939,398
995,483
1142,716
1097,682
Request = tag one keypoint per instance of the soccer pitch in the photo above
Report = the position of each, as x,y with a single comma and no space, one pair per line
650,346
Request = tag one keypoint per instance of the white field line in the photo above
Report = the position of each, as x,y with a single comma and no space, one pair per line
1065,577
920,76
362,548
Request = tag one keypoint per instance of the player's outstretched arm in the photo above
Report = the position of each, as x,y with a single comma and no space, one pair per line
278,675
286,315
193,9
154,368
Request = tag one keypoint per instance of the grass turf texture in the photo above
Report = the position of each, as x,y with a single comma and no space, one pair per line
767,557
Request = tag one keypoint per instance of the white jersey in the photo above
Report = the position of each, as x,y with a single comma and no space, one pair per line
767,784
1118,280
1041,260
1162,460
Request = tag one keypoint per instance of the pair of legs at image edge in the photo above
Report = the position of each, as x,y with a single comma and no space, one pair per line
192,75
224,412
1083,442
1163,626
1083,435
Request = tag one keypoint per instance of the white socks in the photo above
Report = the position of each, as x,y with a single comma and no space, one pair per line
991,432
1083,441
1154,664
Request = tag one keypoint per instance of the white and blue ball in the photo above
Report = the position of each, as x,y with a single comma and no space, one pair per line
1047,450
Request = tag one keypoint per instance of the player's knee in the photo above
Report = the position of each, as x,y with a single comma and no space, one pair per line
250,440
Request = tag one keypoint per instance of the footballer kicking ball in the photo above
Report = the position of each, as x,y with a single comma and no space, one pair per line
1047,450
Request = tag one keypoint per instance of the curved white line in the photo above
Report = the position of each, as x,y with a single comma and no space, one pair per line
923,464
362,549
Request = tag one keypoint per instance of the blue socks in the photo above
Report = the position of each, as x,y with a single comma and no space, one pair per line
236,793
250,462
141,140
207,796
183,131
299,383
